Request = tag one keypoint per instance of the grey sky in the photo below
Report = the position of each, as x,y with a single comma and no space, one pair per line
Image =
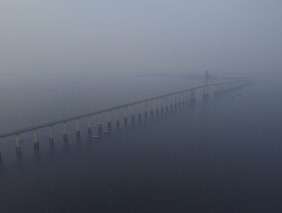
144,36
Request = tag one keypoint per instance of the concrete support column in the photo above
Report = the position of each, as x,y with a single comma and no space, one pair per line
146,110
162,105
139,114
151,108
109,121
125,121
77,128
175,101
65,133
157,106
191,97
117,123
18,145
171,102
166,104
117,118
89,125
99,123
35,141
51,139
132,113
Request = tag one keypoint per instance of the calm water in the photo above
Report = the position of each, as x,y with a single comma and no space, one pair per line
222,155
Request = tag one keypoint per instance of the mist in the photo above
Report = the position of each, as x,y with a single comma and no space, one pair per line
140,37
140,106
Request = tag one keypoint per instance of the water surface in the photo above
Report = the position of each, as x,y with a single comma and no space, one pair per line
222,155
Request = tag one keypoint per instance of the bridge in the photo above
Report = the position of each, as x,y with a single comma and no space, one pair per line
123,114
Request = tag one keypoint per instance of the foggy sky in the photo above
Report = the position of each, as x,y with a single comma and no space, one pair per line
145,36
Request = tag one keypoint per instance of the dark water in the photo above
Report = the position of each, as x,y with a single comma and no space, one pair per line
222,155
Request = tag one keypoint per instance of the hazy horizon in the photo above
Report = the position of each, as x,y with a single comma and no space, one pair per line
107,106
140,37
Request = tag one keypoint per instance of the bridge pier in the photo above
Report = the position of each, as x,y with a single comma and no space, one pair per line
184,99
220,90
65,133
18,146
157,112
124,116
109,125
89,126
133,118
89,130
174,101
117,123
51,139
179,100
125,121
193,97
35,141
100,126
152,113
206,87
145,110
133,114
159,106
77,128
139,112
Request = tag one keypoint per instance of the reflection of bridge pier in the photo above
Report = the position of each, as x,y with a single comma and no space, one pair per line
104,120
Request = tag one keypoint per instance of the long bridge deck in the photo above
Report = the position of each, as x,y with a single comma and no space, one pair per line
90,114
141,107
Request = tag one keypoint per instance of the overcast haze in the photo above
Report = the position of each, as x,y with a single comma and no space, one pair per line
145,36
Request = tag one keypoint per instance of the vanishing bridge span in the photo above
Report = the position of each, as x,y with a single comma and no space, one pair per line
102,121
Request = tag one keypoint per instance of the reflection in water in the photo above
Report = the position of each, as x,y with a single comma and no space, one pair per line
215,157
